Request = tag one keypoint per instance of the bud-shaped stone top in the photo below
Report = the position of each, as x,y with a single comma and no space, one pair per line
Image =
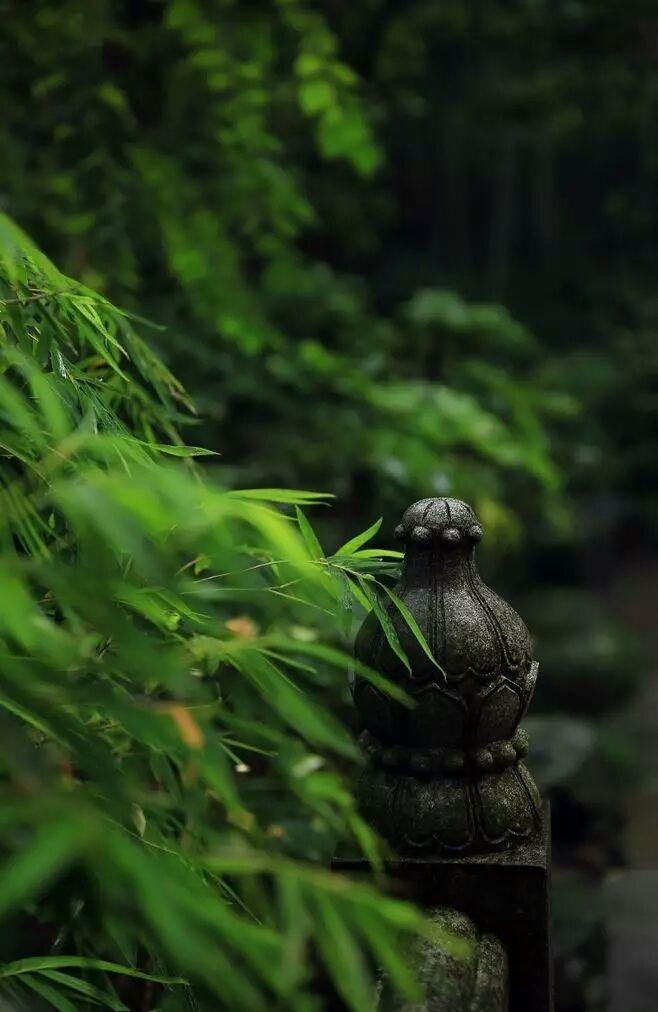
447,773
447,523
471,631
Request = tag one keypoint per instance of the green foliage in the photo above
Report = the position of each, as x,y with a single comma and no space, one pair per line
584,648
171,766
231,199
324,205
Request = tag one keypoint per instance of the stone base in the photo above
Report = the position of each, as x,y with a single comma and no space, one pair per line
505,893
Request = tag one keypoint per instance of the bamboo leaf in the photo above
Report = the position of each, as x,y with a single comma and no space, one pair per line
414,627
357,542
27,873
310,539
38,964
385,621
83,987
282,495
52,995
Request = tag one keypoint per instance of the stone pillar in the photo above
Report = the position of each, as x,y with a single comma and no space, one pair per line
445,782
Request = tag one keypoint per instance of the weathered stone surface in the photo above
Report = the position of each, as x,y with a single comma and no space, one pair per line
474,979
447,775
504,892
445,782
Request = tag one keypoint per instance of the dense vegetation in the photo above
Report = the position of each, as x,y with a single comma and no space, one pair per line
168,649
392,248
217,167
298,189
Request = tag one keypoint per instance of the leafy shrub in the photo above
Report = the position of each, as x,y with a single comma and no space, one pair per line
170,770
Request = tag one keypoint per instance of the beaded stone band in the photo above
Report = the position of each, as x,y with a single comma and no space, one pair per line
497,755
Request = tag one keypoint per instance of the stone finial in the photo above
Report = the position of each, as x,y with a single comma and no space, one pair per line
447,776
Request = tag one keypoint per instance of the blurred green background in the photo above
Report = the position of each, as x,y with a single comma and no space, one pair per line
398,249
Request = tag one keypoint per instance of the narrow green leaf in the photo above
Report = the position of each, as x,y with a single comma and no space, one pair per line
414,627
390,956
378,553
50,994
308,534
345,662
281,495
89,990
180,451
356,542
35,964
343,956
313,722
27,873
385,621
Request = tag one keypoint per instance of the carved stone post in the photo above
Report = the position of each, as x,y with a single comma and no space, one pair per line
445,782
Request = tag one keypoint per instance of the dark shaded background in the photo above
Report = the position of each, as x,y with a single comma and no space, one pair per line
403,249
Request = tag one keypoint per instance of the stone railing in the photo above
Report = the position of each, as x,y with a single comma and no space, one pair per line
446,783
